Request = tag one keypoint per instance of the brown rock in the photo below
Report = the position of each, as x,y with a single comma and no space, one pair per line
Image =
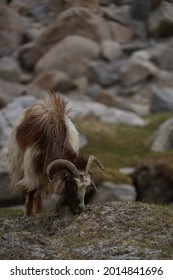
119,33
74,21
53,80
29,54
72,56
11,27
9,69
10,90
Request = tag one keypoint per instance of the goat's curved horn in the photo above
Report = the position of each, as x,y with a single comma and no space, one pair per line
62,163
90,160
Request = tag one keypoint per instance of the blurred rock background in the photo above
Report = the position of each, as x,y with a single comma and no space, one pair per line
113,59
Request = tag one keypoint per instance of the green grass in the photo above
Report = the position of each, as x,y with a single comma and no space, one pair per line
5,212
118,146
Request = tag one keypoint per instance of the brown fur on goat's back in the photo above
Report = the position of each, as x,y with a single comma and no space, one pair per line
43,126
39,120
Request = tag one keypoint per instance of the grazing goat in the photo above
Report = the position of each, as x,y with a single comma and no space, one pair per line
43,157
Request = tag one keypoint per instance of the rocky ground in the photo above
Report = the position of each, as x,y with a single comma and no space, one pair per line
117,230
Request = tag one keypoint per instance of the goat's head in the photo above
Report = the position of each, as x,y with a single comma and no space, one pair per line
75,181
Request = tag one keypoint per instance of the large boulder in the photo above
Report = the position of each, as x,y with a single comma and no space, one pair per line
75,21
72,56
161,100
153,180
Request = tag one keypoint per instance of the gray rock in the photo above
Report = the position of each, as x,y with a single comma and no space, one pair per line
161,100
82,141
10,90
140,30
13,109
9,69
10,113
126,170
109,191
138,69
110,50
104,113
163,137
101,73
135,45
140,9
105,2
118,116
93,90
117,14
162,55
3,121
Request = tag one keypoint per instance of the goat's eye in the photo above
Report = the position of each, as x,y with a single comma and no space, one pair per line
66,176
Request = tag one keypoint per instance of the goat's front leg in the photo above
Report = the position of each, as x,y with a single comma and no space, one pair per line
37,204
29,202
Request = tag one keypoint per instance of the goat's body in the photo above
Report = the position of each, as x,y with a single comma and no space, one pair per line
43,157
42,134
